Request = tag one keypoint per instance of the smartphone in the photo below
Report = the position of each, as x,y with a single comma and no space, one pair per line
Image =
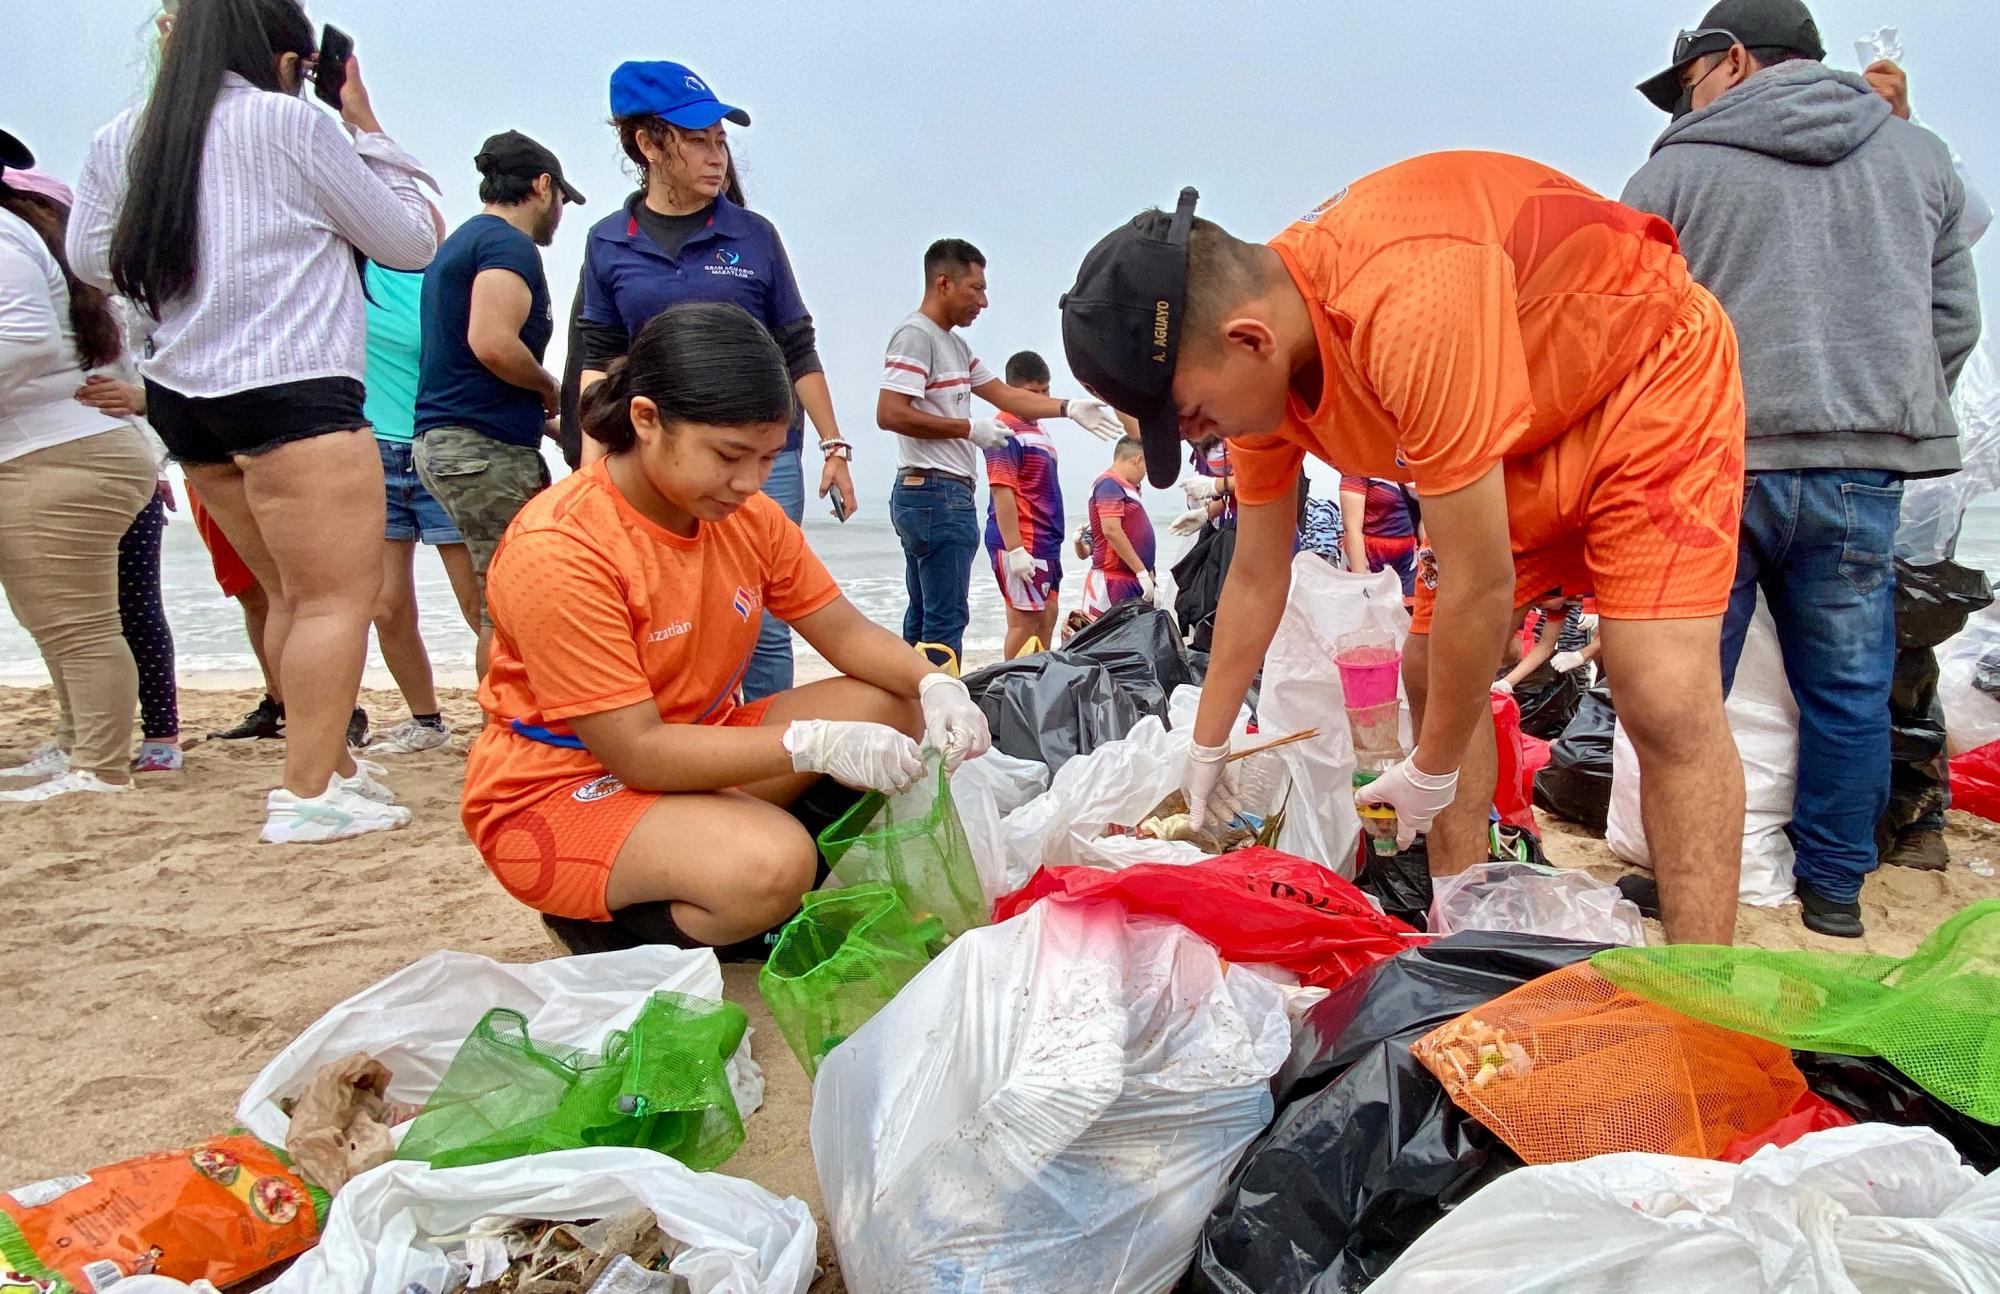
839,497
330,76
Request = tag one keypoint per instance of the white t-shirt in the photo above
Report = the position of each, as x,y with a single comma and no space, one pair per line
937,368
39,368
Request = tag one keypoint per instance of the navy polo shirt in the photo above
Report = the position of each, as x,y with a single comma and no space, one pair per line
628,278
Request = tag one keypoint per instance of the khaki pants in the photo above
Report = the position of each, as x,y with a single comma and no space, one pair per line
62,513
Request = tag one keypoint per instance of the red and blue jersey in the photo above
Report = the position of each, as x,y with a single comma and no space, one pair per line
1214,461
1110,496
1026,465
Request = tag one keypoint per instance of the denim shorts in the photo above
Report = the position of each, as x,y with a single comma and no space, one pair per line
413,513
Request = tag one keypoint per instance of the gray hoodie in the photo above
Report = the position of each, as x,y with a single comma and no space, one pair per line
1830,231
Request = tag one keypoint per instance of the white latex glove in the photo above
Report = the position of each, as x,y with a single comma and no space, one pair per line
989,433
1416,796
1565,661
953,726
1189,522
1096,417
1200,489
1020,565
1501,687
866,756
1148,588
1209,785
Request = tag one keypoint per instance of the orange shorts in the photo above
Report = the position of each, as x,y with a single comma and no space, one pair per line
555,854
231,572
1639,503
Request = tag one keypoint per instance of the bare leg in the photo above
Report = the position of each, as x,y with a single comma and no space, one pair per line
1457,839
1020,627
256,612
1045,626
484,651
464,584
1667,684
398,630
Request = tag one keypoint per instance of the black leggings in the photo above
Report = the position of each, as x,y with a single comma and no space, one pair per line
145,622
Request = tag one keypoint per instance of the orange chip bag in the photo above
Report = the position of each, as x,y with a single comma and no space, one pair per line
221,1211
1569,1065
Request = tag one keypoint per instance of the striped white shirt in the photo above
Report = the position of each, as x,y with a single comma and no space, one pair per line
938,368
284,197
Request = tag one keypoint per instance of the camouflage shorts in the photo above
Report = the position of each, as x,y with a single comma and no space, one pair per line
482,483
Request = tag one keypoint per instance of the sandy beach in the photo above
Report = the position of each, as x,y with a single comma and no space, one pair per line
157,955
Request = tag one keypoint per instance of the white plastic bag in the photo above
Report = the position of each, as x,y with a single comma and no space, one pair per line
1764,719
1523,899
1302,690
1934,509
1054,1104
1867,1208
415,1020
985,791
1971,717
384,1232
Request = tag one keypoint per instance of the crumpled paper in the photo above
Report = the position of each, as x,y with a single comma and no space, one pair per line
340,1124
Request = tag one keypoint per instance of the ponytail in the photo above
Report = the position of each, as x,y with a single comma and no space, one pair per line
707,362
607,408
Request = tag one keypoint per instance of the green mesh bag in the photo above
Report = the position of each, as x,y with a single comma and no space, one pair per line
914,844
659,1085
838,962
1934,1015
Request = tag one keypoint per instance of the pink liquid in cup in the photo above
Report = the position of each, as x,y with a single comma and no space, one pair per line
1369,667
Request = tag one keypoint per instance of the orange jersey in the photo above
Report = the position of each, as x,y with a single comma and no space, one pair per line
596,608
1469,308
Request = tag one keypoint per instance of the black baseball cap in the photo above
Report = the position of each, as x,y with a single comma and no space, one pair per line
14,154
1121,326
1757,24
512,153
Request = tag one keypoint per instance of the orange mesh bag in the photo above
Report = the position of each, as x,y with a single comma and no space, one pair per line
1569,1065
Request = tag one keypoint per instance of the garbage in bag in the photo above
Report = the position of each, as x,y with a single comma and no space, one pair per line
1142,648
658,1084
1052,1105
1932,604
1052,706
1369,1151
390,1230
1969,683
1547,710
1513,783
1257,906
1576,782
913,843
1874,1091
1863,1208
985,791
838,962
1975,781
1764,720
1198,576
1400,882
1521,898
1570,1065
1931,1013
414,1021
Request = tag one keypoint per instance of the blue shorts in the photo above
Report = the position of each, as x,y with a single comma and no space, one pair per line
413,513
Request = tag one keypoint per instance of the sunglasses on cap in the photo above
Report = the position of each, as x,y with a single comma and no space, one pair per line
1685,43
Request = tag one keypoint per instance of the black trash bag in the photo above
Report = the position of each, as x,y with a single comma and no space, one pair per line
1932,604
1400,883
1139,644
1576,783
1369,1152
1198,579
1547,709
1875,1091
1052,705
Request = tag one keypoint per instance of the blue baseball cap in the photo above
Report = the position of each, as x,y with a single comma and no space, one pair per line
669,90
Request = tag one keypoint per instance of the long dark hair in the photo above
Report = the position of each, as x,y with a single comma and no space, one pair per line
661,132
153,248
98,335
707,362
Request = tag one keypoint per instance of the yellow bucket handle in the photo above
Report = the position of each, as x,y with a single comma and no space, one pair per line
931,652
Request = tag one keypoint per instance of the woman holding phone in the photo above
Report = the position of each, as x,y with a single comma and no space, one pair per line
686,237
232,211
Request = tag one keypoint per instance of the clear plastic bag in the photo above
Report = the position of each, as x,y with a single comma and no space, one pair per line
1934,509
1968,660
1521,898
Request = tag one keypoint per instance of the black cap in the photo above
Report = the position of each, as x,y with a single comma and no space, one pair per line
1757,24
14,153
1121,326
512,153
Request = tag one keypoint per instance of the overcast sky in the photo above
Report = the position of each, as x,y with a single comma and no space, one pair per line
1028,127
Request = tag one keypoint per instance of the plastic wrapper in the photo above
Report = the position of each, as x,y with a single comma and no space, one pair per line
1862,1208
1520,898
1142,648
838,962
1368,1151
391,1229
1052,1105
1576,782
914,844
1257,906
1052,706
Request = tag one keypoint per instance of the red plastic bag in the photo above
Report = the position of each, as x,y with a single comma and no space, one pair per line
1514,788
1813,1113
1975,781
1257,906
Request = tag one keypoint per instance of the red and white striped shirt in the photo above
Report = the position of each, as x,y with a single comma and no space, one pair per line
936,366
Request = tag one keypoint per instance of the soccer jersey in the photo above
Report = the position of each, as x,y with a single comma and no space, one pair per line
1214,462
1110,496
1027,466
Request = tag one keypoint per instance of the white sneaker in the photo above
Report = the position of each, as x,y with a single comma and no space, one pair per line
367,782
44,761
335,815
409,737
69,783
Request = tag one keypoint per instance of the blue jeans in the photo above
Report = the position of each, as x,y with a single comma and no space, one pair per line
771,664
939,526
1820,546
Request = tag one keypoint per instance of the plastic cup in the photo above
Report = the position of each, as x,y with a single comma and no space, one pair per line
1376,727
1378,822
1378,761
1370,664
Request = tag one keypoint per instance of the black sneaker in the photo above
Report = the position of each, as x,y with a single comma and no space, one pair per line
357,729
1923,849
1643,892
1828,916
266,721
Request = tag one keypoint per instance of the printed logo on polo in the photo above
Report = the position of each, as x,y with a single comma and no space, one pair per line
694,83
674,630
747,601
729,261
598,789
728,257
